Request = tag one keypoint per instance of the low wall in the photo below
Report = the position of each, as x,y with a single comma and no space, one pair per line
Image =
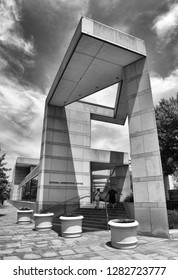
21,203
61,209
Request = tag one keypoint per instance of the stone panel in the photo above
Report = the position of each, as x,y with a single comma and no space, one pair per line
57,196
156,191
130,71
75,152
76,139
60,137
135,124
60,124
137,145
143,217
145,101
132,87
139,167
49,135
133,104
86,166
76,115
49,123
75,126
75,166
86,140
153,167
141,66
58,164
47,149
148,121
159,222
59,151
141,191
143,83
150,142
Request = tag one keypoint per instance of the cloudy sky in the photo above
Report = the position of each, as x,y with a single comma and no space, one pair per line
34,35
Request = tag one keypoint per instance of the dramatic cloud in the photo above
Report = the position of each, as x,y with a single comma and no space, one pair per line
166,25
164,87
52,24
15,51
110,136
21,115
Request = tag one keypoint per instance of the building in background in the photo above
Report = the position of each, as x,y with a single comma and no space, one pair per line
25,171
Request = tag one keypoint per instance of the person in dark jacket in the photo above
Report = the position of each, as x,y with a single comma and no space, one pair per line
112,197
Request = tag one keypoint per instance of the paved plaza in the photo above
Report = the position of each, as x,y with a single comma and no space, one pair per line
21,242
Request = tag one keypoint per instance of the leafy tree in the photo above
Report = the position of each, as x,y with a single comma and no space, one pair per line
167,124
175,179
4,183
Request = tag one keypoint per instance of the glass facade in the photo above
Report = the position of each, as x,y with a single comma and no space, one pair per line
29,190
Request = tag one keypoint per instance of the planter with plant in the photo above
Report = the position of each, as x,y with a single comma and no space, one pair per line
24,215
43,221
123,233
71,225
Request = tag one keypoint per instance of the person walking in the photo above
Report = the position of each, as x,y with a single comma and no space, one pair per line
112,197
97,197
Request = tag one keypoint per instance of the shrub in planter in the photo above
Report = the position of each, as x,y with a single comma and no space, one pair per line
71,225
43,221
123,233
24,215
173,219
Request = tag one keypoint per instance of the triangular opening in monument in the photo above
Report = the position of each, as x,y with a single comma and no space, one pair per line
105,97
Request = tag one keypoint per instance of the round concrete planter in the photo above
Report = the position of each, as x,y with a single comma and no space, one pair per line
71,226
43,221
123,233
24,216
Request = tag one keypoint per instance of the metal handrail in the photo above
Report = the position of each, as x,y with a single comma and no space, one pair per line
65,202
107,217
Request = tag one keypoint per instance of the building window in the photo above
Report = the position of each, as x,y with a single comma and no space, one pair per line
29,190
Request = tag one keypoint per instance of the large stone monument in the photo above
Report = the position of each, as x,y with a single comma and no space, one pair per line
98,57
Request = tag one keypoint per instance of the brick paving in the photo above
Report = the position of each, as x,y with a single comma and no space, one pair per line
22,242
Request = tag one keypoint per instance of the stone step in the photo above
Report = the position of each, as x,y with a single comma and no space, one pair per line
97,219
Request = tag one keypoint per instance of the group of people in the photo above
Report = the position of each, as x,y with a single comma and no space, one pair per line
112,197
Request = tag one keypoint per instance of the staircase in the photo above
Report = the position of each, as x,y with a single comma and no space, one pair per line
96,219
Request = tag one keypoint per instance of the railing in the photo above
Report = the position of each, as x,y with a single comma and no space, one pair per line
64,203
107,217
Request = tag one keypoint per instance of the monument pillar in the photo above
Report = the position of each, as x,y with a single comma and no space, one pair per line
148,186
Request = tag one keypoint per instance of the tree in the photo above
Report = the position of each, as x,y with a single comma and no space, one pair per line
167,125
4,183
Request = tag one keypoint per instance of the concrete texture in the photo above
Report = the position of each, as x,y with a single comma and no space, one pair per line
21,242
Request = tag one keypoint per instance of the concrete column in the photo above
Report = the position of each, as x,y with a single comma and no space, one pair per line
148,186
64,172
